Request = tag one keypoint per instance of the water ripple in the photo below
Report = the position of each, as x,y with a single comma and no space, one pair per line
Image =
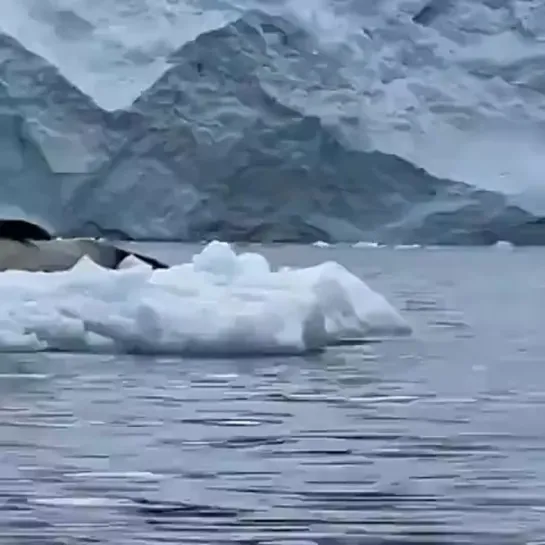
436,439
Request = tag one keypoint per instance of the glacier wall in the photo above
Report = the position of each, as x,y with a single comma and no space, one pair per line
275,121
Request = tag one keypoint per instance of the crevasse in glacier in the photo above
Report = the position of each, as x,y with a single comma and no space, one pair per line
256,127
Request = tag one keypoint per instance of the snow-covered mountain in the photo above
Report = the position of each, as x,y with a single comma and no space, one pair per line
274,119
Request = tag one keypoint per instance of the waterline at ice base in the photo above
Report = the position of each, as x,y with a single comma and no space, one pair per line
219,304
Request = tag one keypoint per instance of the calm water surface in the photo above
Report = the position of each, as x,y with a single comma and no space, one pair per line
439,438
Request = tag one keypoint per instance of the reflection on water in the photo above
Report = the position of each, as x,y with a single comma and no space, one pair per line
434,439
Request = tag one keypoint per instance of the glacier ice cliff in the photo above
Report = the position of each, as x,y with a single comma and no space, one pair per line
275,121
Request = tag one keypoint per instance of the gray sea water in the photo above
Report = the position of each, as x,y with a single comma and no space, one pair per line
435,439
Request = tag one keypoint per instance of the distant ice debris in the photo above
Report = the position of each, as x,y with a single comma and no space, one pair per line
219,304
363,244
321,244
504,245
407,246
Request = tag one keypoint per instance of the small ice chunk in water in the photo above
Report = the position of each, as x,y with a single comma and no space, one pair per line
219,304
363,244
504,245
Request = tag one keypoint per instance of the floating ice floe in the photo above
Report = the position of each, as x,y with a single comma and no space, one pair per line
219,304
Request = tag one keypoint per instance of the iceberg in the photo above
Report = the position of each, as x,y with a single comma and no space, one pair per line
219,304
273,121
